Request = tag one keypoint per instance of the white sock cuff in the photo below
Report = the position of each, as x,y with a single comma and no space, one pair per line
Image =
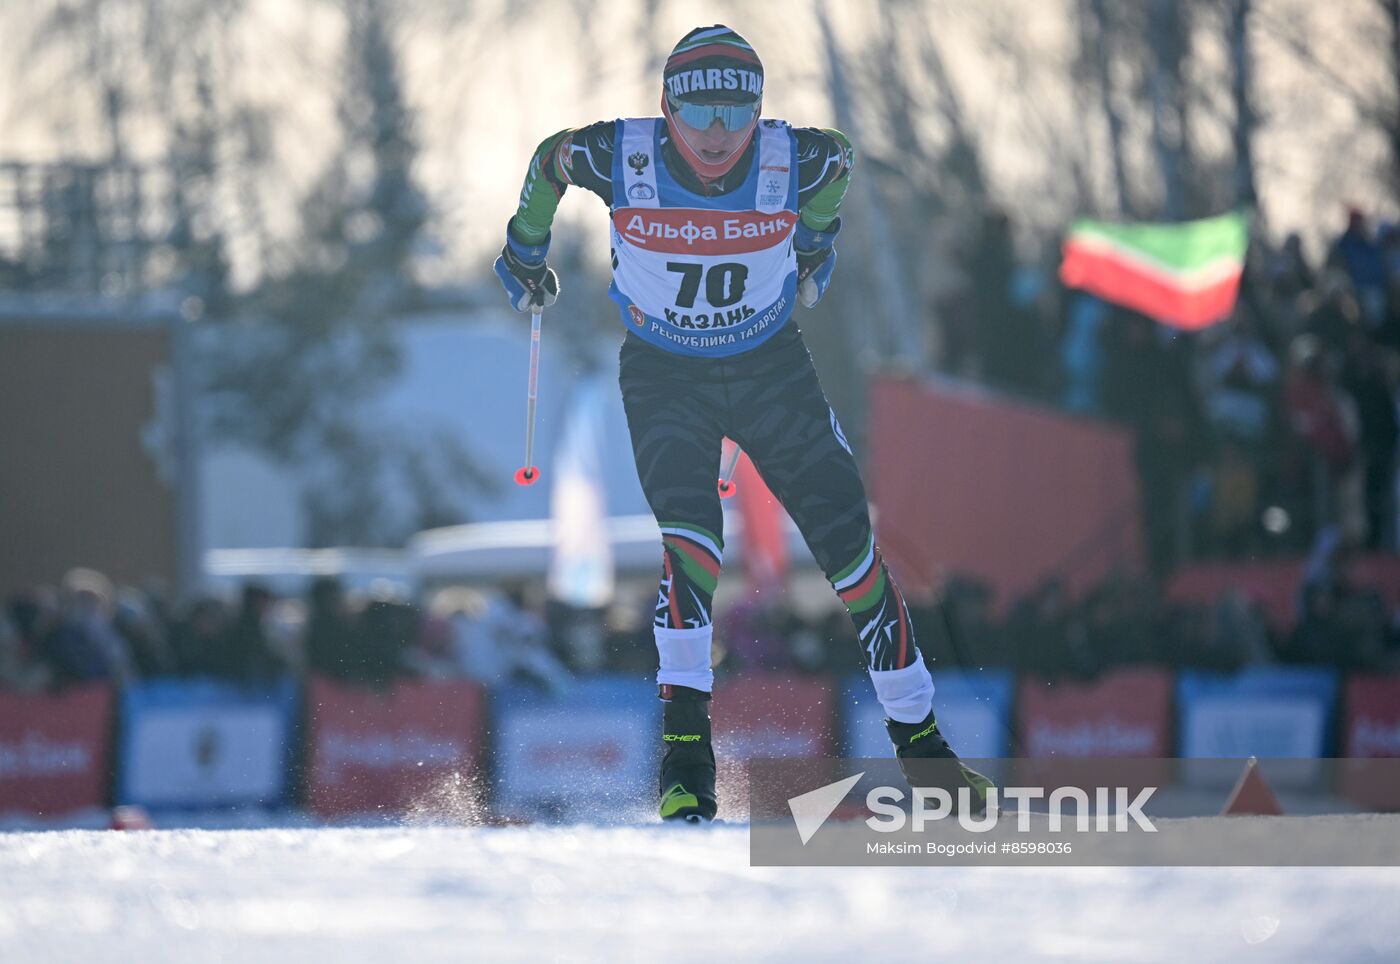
906,694
685,657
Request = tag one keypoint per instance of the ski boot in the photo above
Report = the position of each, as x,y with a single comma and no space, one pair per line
928,761
688,767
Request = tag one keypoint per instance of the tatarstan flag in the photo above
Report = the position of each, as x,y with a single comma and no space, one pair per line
1184,275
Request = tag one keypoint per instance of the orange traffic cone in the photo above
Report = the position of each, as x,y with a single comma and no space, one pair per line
1252,796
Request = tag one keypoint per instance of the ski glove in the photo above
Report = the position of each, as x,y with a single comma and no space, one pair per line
816,259
528,280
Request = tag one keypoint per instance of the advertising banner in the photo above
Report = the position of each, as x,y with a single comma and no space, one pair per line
54,750
1371,732
416,746
1125,713
973,711
772,715
1272,711
584,753
206,743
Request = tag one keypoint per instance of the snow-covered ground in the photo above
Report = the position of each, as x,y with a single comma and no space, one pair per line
586,893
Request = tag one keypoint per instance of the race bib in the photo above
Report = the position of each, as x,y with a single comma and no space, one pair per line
707,276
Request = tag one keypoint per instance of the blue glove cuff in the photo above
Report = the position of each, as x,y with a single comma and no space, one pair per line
808,239
531,254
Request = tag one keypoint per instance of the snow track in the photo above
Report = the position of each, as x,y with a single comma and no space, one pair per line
586,893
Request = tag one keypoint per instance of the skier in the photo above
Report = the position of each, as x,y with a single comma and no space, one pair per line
721,223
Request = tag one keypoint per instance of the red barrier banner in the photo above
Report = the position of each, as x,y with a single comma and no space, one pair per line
1126,713
971,482
773,716
54,750
1274,583
1063,724
1372,731
768,715
416,746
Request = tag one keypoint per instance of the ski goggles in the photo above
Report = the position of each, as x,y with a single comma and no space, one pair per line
734,117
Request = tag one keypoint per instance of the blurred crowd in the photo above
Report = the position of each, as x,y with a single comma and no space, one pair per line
1253,435
88,630
1338,621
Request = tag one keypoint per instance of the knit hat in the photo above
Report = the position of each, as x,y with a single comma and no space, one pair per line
713,65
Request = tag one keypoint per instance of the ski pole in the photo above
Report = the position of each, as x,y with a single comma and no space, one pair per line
527,474
727,487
